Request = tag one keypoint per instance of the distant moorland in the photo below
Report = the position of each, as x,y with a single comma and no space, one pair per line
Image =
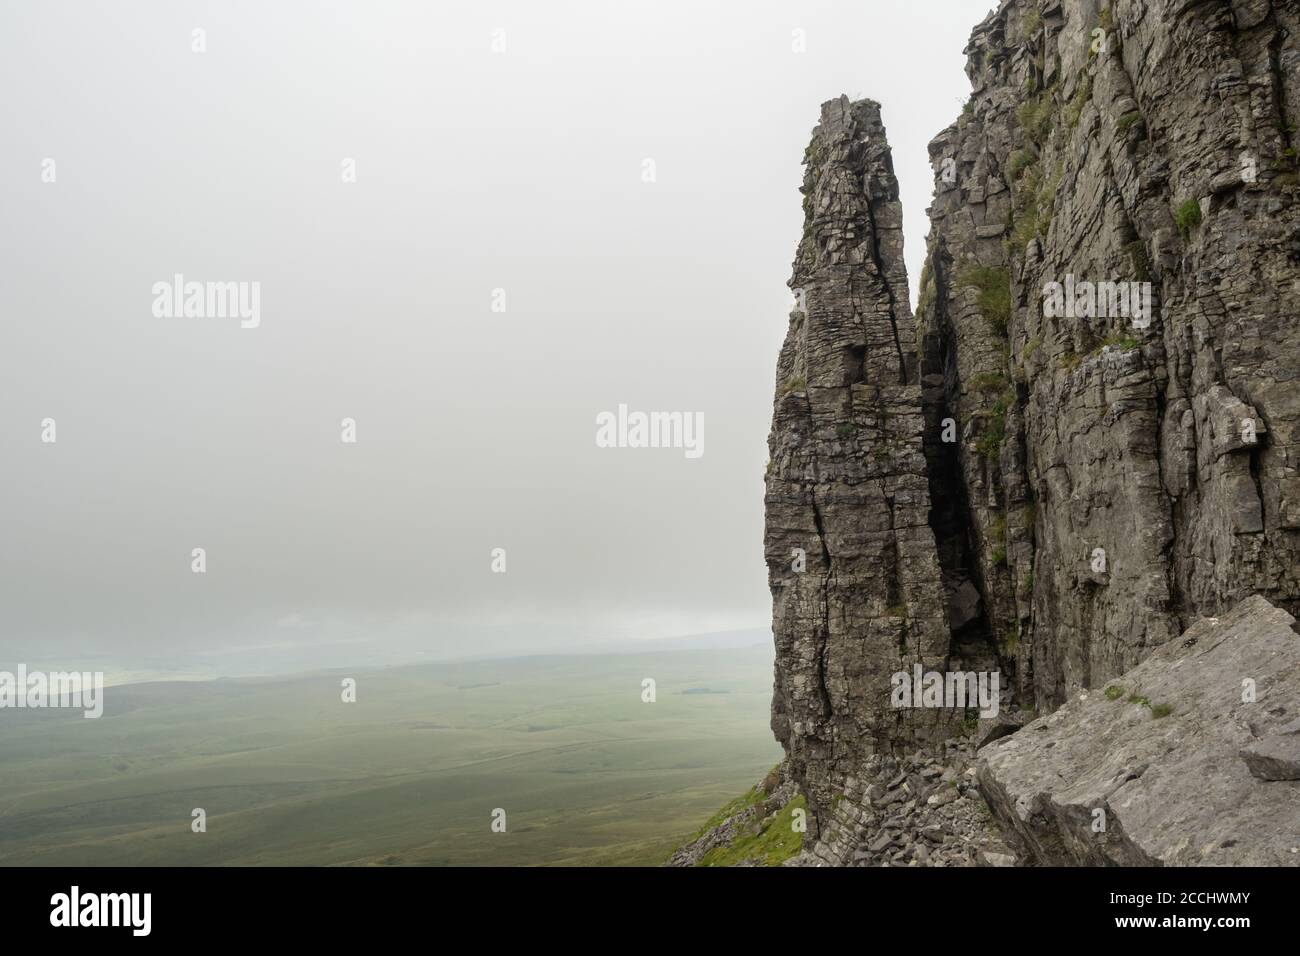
409,774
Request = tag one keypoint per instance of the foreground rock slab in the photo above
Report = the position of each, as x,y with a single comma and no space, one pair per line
1276,757
1148,770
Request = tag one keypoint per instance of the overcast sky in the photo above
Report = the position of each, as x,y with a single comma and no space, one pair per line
521,170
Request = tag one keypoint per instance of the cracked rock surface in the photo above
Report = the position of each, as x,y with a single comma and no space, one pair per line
990,484
920,810
854,573
1147,771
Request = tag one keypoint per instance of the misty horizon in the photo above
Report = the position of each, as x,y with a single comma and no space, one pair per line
468,283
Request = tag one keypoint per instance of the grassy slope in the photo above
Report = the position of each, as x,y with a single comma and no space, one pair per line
770,843
410,774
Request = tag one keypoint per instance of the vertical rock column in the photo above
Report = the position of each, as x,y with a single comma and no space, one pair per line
856,585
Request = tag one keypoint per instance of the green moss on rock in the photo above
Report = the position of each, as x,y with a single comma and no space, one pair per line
769,842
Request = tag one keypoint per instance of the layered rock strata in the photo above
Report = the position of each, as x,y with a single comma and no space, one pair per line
857,589
1088,438
1127,469
1161,765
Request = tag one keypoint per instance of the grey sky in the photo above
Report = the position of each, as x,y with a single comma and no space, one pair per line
475,170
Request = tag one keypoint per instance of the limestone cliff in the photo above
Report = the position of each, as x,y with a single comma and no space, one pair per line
1142,142
855,577
1088,437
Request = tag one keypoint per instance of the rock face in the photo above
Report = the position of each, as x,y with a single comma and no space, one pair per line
1277,758
855,578
919,810
1088,437
1146,771
1126,473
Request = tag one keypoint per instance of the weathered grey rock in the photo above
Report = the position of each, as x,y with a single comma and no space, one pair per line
881,843
1274,758
933,833
856,586
1174,448
991,857
943,797
1147,771
988,486
949,832
993,728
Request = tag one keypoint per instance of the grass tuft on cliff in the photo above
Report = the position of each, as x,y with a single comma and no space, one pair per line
994,300
1074,109
770,843
995,426
1187,216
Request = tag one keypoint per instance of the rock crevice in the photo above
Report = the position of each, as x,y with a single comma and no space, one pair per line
1086,440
